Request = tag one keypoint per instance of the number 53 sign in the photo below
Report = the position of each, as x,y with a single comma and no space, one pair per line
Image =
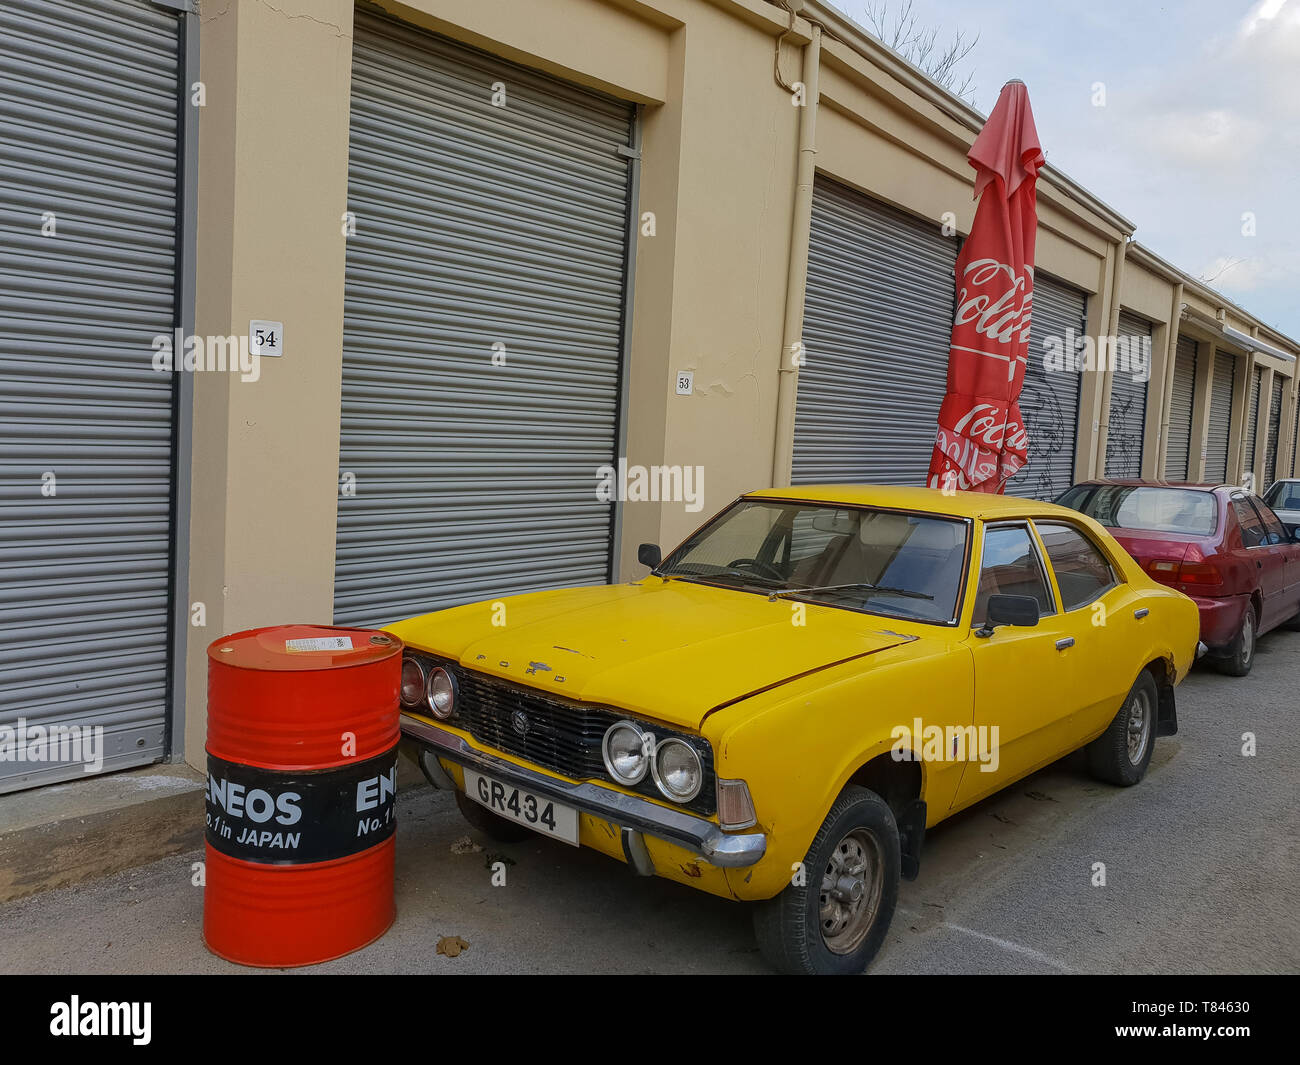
266,338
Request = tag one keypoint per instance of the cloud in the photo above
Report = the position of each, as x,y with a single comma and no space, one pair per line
1217,137
1268,15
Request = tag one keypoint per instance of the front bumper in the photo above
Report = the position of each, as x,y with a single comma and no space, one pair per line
632,814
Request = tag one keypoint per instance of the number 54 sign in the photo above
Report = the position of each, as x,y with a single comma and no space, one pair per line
266,338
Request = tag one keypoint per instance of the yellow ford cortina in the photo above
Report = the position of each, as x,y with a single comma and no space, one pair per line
779,711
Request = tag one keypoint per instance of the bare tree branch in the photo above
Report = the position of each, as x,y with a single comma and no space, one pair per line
1229,264
898,30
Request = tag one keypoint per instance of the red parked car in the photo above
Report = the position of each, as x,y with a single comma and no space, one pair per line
1219,544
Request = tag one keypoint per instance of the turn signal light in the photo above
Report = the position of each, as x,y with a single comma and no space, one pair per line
735,807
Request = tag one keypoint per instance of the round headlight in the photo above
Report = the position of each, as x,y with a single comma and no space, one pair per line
412,683
677,770
624,752
442,693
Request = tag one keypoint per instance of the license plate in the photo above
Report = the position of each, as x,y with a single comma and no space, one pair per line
515,804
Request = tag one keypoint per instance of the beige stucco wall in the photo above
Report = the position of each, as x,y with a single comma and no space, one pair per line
272,189
718,172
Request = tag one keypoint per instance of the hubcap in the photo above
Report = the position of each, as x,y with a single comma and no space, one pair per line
1139,726
1247,637
850,891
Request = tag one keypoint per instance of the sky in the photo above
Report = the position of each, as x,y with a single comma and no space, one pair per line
1200,123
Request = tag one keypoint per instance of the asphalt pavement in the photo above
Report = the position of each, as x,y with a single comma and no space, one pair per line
1202,875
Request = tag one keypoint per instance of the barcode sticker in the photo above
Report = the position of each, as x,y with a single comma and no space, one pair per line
320,643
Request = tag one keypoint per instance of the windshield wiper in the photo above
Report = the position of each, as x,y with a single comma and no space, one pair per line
740,575
887,589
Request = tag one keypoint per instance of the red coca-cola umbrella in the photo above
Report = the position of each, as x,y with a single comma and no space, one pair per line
981,440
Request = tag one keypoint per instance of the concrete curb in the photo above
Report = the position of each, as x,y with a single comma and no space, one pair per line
54,836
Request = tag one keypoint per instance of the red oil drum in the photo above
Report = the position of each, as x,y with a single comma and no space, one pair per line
302,781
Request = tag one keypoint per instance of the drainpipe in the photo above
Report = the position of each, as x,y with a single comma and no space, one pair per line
796,282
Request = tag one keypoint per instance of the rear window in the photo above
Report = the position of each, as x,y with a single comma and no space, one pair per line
1168,510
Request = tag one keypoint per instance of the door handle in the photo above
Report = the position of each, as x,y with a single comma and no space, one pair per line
1141,612
1064,642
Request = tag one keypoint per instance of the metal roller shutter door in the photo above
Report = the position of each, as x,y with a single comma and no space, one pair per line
89,97
1252,420
1221,400
1049,401
476,226
1126,425
1274,430
1178,442
877,322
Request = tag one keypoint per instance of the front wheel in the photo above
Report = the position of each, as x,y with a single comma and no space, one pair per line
832,919
1241,652
1121,754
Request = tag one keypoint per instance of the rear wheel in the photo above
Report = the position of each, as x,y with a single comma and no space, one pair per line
1241,652
833,919
1121,754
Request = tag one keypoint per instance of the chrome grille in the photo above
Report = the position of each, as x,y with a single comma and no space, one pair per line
560,735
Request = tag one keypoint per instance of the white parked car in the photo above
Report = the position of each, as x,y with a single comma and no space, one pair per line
1284,498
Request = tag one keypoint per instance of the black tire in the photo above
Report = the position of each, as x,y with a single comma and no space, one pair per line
789,928
497,828
1111,756
1241,652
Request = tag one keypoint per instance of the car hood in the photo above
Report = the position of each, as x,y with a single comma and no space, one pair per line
671,650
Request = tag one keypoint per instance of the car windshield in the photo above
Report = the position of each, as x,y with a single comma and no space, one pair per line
1285,495
1185,511
860,558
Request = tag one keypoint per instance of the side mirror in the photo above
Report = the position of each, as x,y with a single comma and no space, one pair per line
1019,610
1295,534
649,555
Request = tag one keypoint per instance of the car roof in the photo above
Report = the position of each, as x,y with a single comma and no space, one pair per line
1203,486
927,500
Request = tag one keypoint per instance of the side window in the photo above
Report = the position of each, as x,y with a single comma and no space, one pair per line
1252,528
1274,533
1082,571
1010,566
